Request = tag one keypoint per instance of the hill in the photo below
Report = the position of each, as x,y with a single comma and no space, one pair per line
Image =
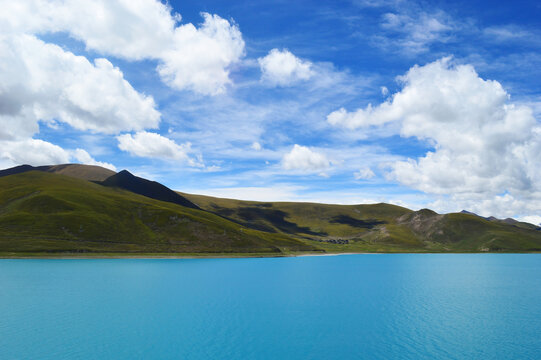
79,171
377,227
47,213
57,210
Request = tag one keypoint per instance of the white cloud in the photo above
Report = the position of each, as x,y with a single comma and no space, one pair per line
361,117
483,144
84,157
512,33
189,58
414,32
282,68
518,205
532,219
38,152
152,145
129,29
32,152
364,174
199,59
256,146
41,81
303,159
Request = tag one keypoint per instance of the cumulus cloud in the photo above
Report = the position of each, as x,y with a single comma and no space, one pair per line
152,145
484,146
256,146
282,68
38,152
199,58
190,57
43,82
302,158
33,152
129,29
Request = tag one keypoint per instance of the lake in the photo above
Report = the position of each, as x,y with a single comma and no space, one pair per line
393,306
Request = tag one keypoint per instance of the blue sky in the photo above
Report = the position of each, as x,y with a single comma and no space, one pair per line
423,104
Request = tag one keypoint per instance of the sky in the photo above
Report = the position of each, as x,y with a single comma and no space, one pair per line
416,103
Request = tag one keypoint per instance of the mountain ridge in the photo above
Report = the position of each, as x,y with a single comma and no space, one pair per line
56,212
79,171
363,227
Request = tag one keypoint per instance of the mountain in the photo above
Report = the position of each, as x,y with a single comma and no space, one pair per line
47,213
152,189
84,172
66,210
124,180
377,227
509,221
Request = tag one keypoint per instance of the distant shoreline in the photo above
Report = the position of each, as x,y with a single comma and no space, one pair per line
165,256
6,256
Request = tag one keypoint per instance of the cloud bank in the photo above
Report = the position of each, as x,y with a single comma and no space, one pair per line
43,83
190,58
485,148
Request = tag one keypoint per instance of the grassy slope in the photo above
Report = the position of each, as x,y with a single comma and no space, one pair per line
378,227
43,212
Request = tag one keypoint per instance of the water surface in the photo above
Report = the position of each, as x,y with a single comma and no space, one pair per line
403,306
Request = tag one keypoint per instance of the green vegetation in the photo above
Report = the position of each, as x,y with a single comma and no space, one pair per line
378,227
50,213
43,213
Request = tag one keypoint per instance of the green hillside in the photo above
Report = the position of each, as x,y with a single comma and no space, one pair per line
42,212
377,227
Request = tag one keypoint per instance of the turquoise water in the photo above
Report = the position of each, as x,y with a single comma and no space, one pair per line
336,307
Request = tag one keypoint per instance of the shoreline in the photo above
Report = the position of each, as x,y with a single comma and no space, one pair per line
4,256
167,256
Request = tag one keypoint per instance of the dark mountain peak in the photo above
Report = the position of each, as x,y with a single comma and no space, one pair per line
124,174
152,189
